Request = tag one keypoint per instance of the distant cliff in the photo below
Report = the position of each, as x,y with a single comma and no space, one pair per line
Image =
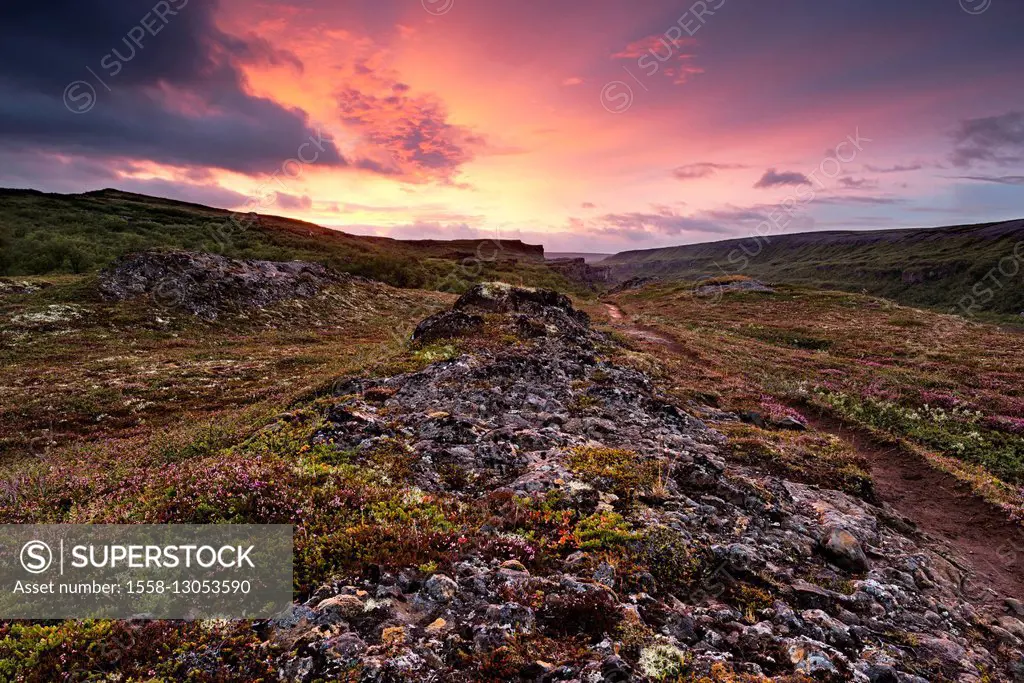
578,270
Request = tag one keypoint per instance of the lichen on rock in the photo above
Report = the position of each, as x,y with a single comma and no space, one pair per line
596,532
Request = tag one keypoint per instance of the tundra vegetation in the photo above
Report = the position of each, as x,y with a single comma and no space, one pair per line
940,386
537,495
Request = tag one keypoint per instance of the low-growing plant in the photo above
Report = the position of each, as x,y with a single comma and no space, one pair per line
664,662
677,564
619,470
958,431
603,531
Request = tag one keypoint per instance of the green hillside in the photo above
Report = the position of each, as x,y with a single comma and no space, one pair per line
44,234
953,268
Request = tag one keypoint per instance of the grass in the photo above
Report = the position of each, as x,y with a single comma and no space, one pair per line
44,234
809,457
946,269
129,371
129,414
942,386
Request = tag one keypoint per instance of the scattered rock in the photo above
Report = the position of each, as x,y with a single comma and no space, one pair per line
441,588
790,423
51,315
605,575
951,654
436,627
882,674
17,287
343,607
753,418
809,658
514,565
842,548
1012,625
614,669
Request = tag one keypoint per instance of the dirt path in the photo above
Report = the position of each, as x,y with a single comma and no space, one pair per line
979,536
641,332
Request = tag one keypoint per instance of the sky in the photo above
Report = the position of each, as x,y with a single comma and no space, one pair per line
584,125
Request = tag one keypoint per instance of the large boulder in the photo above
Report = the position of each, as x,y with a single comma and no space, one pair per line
446,325
498,297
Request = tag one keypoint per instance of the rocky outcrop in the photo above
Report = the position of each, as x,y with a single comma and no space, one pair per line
578,270
17,287
533,312
717,289
673,564
209,285
446,325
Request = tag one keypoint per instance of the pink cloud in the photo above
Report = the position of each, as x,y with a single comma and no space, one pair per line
657,45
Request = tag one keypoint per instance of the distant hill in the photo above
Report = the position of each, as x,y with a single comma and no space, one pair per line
44,233
952,268
586,256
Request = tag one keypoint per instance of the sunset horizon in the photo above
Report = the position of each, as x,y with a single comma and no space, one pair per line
613,129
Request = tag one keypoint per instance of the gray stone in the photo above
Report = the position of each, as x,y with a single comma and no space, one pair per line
441,588
844,550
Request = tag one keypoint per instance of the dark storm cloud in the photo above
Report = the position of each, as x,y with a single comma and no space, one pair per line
993,139
207,195
166,83
69,174
773,178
